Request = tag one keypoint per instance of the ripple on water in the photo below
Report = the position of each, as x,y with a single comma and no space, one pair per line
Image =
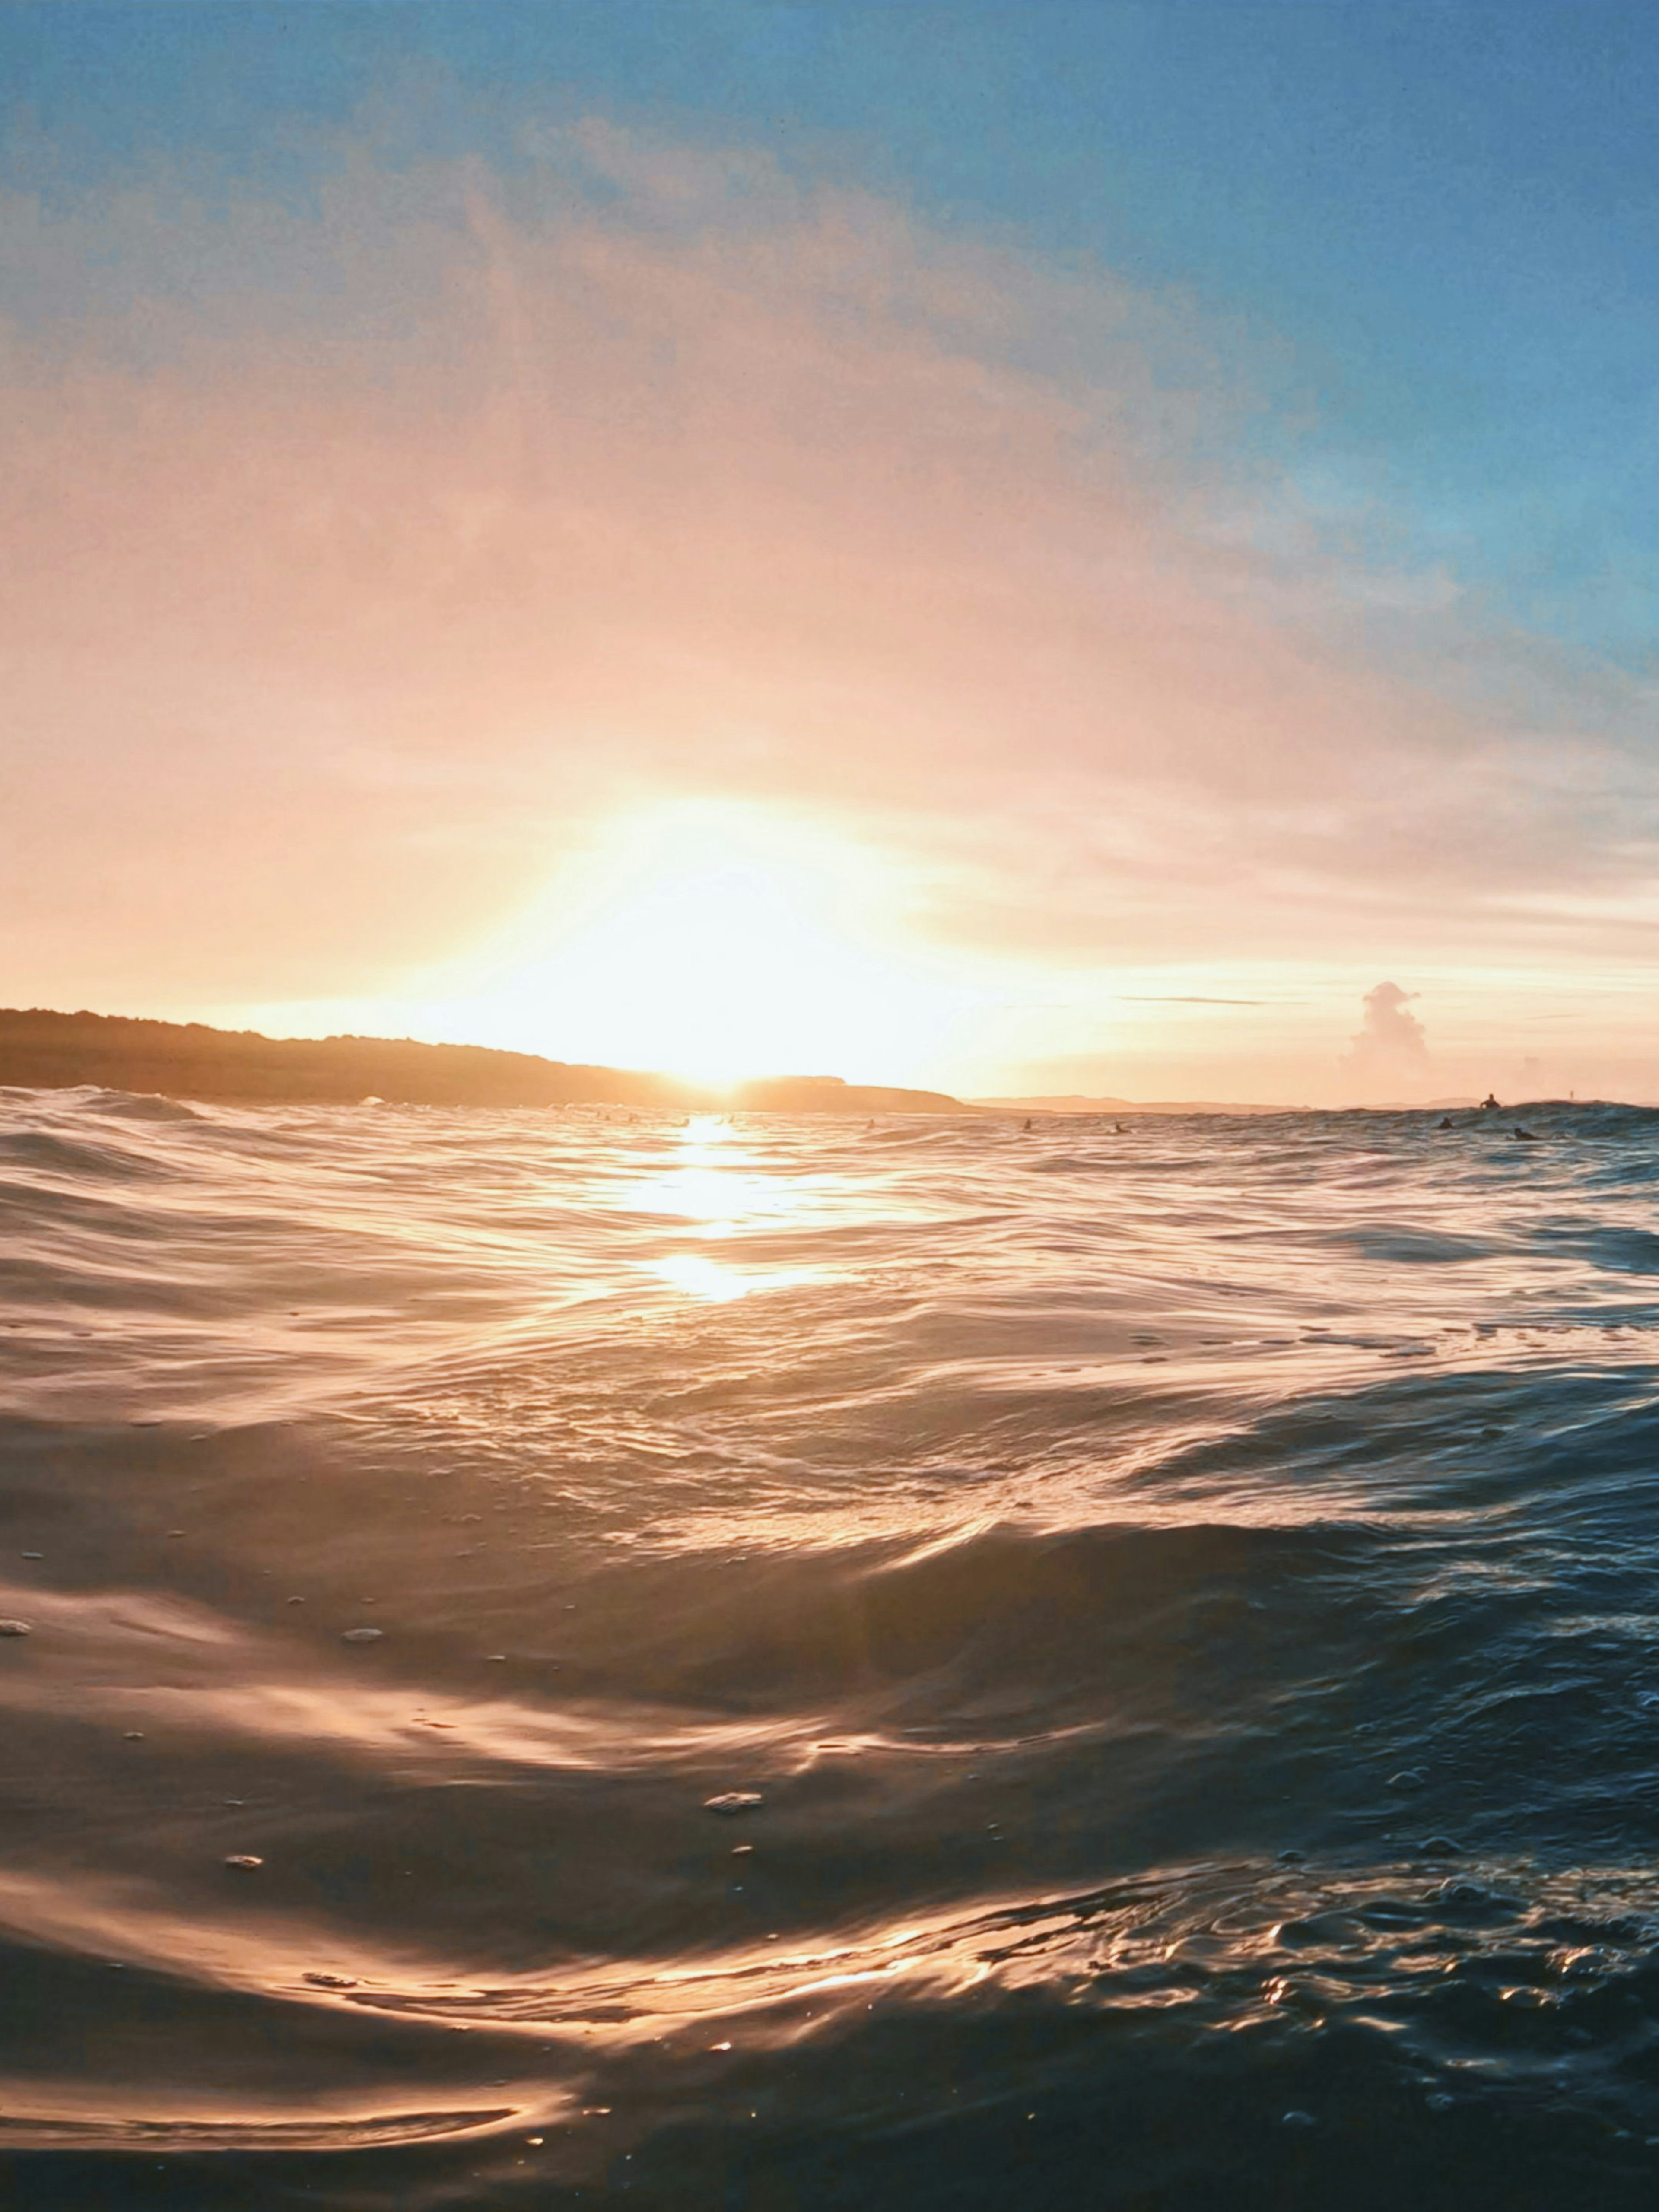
1174,1612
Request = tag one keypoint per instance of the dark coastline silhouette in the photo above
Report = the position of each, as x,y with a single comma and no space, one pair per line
41,1050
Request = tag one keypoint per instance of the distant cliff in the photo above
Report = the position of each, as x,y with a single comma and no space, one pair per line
827,1094
46,1051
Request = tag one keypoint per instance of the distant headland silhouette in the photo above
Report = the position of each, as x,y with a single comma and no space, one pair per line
42,1050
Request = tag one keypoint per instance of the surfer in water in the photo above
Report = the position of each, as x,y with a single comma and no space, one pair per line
1489,1103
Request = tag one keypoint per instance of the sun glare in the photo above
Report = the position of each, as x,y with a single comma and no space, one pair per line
718,943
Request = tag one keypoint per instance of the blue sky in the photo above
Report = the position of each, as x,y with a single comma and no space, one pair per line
1171,485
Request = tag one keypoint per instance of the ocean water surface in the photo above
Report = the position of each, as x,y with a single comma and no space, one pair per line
575,1660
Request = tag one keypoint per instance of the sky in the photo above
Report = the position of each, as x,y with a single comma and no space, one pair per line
1029,549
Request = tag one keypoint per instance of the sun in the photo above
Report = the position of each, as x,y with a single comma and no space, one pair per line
717,941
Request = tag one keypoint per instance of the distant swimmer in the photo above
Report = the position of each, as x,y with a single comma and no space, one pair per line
1118,1129
1444,1122
1028,1121
1489,1104
1524,1137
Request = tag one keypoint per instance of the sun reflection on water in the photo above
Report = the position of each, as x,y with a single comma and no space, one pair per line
718,1188
700,1277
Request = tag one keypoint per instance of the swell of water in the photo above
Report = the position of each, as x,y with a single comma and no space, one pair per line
1182,1603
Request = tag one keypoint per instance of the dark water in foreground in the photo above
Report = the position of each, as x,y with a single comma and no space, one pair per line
1188,1603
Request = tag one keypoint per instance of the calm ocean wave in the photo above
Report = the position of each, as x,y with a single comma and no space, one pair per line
1174,1612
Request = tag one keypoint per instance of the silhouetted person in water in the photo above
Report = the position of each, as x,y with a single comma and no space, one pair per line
1445,1121
1028,1121
1523,1137
1489,1103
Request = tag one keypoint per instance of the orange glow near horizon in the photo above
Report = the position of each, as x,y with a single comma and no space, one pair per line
716,943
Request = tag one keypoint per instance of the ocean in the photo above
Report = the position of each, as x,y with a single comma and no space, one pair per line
560,1660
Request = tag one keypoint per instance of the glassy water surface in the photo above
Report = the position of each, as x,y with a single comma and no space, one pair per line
1171,1616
